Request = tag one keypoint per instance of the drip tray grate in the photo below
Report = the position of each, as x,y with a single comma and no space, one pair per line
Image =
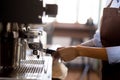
28,69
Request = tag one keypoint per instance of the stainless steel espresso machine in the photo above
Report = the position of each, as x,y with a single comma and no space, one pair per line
16,33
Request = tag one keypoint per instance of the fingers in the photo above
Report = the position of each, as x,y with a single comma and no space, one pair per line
65,53
56,55
60,48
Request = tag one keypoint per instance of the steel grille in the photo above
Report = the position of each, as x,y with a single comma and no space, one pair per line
29,69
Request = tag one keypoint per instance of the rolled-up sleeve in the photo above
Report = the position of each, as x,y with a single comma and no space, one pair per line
113,54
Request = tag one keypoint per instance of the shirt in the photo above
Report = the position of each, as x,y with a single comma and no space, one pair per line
112,52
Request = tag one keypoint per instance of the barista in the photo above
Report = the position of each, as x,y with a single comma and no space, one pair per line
110,56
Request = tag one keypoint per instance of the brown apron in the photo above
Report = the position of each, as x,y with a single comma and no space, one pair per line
110,36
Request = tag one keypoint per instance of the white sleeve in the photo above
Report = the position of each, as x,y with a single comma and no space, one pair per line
97,40
113,54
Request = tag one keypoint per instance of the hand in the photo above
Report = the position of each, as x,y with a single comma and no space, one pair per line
66,53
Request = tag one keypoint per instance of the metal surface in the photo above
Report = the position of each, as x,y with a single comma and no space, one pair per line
29,69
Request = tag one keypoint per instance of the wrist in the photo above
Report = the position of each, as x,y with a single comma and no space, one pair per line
79,50
76,50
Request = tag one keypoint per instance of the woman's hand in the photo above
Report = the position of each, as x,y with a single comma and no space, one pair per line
66,53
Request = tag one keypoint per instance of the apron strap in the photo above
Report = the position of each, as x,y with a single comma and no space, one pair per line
110,4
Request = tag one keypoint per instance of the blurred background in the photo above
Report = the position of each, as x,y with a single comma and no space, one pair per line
76,22
40,26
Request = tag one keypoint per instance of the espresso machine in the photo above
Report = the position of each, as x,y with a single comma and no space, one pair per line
17,35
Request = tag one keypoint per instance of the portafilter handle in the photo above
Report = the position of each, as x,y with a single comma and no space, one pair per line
49,51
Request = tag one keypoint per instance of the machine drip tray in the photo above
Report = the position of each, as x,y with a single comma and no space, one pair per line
28,69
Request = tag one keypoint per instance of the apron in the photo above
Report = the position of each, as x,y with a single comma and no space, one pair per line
110,36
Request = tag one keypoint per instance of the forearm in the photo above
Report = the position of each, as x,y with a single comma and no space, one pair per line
93,52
